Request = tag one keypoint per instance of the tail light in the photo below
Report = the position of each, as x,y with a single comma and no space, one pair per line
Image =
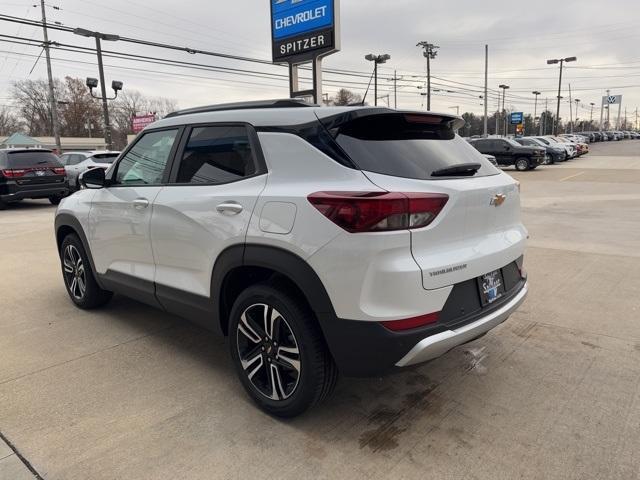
59,170
358,212
409,323
13,173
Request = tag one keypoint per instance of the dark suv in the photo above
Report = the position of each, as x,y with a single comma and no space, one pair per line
509,152
31,173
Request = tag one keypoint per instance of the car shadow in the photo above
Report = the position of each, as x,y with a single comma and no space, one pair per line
31,205
378,411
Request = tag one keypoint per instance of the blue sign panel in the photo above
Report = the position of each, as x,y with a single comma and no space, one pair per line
517,118
294,17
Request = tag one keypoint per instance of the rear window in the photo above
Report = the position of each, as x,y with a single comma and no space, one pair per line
105,157
32,159
407,145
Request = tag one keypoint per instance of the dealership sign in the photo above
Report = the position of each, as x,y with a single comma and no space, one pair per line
302,30
138,122
517,118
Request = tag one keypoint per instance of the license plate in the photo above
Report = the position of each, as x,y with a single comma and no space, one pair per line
40,173
491,287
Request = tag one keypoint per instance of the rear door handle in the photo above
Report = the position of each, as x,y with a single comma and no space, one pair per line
230,208
140,203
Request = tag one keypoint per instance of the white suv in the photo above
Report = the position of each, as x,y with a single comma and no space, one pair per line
319,240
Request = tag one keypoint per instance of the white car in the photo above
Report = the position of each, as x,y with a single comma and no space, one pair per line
319,240
571,148
76,163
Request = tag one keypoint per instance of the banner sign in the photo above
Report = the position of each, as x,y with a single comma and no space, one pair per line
303,29
140,121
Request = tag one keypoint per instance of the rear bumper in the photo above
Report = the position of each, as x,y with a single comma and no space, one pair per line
366,348
14,192
440,343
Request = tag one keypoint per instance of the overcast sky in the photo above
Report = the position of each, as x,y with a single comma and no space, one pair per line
603,35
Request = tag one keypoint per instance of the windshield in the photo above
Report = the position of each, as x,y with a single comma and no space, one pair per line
512,142
408,146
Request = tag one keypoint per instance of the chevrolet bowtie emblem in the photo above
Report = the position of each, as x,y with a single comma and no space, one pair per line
498,199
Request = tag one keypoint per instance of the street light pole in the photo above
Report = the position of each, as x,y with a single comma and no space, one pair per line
504,113
561,62
535,107
591,118
103,86
103,91
577,100
52,98
376,59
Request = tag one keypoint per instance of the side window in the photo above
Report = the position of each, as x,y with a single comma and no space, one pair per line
64,159
483,145
217,154
145,163
76,159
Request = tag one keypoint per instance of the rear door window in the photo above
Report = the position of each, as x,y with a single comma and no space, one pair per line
217,154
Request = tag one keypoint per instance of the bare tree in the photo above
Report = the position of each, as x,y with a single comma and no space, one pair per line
346,97
78,109
131,103
32,97
9,122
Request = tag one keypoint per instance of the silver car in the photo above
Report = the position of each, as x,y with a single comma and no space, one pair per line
77,162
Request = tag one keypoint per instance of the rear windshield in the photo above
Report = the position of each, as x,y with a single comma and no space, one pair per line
105,157
408,146
32,159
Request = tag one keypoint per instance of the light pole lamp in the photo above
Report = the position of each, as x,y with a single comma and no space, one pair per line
93,83
561,61
504,114
376,59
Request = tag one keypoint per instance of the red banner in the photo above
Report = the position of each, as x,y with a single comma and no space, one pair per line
140,121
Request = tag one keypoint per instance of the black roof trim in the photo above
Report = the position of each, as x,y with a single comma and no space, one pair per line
278,103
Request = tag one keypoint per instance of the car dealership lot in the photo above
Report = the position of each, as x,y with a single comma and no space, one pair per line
130,392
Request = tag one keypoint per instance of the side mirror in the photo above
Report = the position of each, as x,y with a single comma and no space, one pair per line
93,178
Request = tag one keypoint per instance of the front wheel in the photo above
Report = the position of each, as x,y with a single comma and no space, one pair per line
81,285
522,164
279,351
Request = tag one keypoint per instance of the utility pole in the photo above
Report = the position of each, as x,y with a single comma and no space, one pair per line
591,117
53,105
430,53
561,62
486,96
570,109
608,111
543,124
395,88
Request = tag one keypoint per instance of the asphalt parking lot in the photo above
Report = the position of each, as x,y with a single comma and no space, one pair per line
129,392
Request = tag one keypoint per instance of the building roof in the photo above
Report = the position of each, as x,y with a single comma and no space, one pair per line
21,140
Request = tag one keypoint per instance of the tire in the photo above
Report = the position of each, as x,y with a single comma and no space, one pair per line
55,200
522,164
306,377
76,266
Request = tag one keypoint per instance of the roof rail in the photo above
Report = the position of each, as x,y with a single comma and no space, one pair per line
278,103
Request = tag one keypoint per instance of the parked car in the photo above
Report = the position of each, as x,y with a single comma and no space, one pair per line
315,252
554,153
77,162
492,159
31,173
581,145
510,152
571,148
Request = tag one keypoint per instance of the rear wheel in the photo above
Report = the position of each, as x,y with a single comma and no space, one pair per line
522,164
279,352
81,285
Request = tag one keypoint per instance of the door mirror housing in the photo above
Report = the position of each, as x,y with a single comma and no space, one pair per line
92,178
